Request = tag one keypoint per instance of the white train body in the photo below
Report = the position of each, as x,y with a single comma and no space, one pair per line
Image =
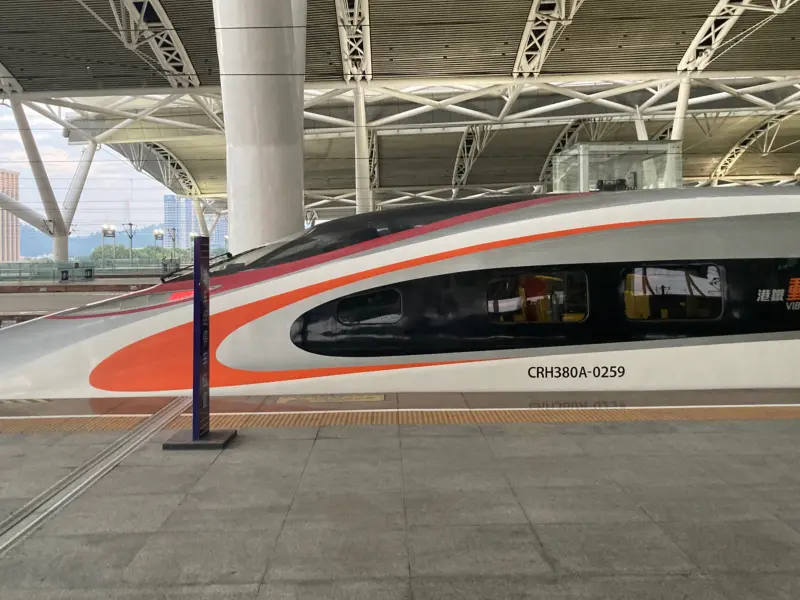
664,290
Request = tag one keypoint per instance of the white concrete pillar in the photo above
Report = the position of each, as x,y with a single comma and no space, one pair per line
39,172
584,184
201,218
78,182
648,166
61,248
261,48
681,107
363,189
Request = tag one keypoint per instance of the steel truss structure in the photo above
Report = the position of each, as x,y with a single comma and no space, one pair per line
354,39
713,35
140,23
173,172
327,204
473,142
546,22
762,137
145,126
126,123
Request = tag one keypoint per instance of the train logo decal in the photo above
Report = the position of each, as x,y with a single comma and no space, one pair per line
790,295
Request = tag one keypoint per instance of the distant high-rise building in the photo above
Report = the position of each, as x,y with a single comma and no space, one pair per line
221,230
179,214
171,220
9,224
190,224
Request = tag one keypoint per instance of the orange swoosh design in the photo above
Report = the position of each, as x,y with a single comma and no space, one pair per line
163,361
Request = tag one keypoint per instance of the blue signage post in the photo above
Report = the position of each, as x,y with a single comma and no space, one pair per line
201,435
201,405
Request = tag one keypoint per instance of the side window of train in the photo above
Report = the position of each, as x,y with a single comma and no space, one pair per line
673,292
539,297
378,307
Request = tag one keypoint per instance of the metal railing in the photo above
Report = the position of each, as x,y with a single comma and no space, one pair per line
86,270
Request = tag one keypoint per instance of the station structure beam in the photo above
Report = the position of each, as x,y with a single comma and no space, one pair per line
374,164
750,91
711,41
201,218
77,184
764,133
356,49
261,49
8,83
473,142
24,213
364,201
529,103
352,18
565,140
57,223
546,22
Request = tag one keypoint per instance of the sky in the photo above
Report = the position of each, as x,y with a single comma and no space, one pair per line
115,192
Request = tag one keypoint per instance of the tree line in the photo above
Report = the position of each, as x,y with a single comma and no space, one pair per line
148,254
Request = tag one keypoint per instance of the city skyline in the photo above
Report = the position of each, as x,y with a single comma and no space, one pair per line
179,213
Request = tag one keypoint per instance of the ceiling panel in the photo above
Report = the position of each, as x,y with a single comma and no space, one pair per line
447,37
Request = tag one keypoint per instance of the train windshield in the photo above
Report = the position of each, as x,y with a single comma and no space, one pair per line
242,261
349,231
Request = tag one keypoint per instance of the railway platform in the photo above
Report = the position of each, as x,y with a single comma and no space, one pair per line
424,496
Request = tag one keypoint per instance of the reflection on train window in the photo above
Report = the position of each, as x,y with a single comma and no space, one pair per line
373,308
657,293
547,297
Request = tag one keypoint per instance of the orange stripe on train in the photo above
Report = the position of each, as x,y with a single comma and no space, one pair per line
163,361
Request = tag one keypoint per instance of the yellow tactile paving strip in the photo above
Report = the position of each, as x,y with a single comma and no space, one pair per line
78,424
68,424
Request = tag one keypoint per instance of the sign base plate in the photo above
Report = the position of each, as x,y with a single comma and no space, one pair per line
216,439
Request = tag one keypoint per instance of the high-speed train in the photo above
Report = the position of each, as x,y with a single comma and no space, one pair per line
654,290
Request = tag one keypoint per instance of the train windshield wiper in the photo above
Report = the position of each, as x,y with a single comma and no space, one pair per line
184,271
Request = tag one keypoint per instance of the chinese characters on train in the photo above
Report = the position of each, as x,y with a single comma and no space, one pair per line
790,295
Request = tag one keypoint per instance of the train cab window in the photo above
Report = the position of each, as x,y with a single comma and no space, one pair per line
545,297
674,292
372,308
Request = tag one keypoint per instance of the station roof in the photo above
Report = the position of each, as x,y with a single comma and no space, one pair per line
460,93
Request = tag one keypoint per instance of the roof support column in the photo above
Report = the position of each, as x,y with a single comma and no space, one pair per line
680,109
61,248
78,182
23,213
201,217
214,223
650,172
261,49
364,199
684,91
56,222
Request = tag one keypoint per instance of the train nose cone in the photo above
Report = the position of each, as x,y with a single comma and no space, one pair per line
44,358
21,346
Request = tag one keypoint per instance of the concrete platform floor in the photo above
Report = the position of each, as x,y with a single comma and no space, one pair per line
31,463
648,510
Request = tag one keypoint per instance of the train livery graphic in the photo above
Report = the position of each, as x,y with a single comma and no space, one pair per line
652,290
